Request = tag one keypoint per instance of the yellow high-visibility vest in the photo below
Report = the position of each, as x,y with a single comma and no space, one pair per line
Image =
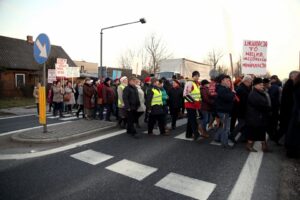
119,98
157,97
195,93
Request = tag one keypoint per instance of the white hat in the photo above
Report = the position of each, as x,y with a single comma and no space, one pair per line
123,78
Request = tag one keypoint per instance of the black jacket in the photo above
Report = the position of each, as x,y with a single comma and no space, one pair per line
156,109
131,98
224,100
258,109
274,92
175,97
242,92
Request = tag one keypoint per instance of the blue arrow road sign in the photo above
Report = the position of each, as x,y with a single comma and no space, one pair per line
41,48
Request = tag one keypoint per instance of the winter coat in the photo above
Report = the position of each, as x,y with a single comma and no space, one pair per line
274,92
80,95
258,109
224,100
156,109
107,94
146,88
131,98
88,94
165,96
69,91
142,107
207,99
36,94
58,94
120,95
293,133
176,97
242,92
286,106
99,92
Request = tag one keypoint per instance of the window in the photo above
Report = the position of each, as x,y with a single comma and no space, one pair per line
81,68
19,80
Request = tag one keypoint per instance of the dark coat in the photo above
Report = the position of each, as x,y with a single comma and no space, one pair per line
286,106
242,92
258,110
274,92
107,94
292,140
175,97
225,99
131,98
88,93
156,109
207,100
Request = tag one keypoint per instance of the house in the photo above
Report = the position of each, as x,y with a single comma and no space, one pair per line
18,70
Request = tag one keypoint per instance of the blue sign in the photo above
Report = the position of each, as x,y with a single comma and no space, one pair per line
41,48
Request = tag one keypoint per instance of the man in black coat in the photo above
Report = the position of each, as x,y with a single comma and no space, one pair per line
175,101
131,104
242,92
286,106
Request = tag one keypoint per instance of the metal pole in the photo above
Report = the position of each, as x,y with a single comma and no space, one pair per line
44,77
299,60
101,35
231,64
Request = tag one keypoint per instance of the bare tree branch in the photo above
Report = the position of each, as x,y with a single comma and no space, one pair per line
213,57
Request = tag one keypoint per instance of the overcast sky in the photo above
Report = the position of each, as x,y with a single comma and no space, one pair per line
190,28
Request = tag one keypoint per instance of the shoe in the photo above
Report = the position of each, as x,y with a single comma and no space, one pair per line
77,115
196,137
265,148
205,135
226,146
232,139
250,148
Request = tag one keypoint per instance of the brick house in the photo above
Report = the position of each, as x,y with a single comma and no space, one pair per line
18,70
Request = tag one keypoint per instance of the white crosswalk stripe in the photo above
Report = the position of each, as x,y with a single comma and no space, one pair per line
132,169
187,186
182,137
91,157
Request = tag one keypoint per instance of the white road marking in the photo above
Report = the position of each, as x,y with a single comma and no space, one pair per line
132,169
68,118
11,117
182,137
91,157
216,143
31,128
243,188
187,186
60,149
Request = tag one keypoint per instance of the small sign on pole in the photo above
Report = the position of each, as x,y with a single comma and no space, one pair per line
254,59
51,75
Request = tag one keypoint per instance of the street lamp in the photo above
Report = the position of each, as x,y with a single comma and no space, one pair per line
142,20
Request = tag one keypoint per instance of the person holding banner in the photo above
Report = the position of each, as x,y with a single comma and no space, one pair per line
69,98
58,93
80,100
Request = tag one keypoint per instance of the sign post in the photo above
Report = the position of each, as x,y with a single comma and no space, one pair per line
41,51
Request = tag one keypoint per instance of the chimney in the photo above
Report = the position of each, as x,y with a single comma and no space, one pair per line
29,39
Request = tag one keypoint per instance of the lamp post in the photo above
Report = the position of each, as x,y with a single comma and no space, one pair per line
142,20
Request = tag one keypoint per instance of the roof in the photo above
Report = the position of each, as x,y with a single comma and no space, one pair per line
18,54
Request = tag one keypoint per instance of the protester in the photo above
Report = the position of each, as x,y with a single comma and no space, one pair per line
286,106
224,104
88,95
142,107
206,106
242,92
58,93
275,95
292,142
115,109
154,104
108,98
146,87
257,116
213,93
122,112
165,99
36,96
50,96
175,101
192,104
80,100
69,98
131,105
99,104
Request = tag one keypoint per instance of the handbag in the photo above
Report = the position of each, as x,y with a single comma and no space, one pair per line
67,97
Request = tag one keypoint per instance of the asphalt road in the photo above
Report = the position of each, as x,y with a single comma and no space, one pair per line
199,168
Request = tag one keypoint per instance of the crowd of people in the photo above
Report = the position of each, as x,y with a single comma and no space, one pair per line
219,108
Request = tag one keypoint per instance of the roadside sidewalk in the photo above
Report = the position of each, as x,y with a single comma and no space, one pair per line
18,111
58,135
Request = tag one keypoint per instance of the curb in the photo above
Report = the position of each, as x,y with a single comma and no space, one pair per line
16,137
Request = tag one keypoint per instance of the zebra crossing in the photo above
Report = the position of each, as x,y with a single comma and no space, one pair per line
177,183
67,117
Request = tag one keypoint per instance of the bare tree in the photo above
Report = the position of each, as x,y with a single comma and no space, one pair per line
157,51
222,69
127,59
213,57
